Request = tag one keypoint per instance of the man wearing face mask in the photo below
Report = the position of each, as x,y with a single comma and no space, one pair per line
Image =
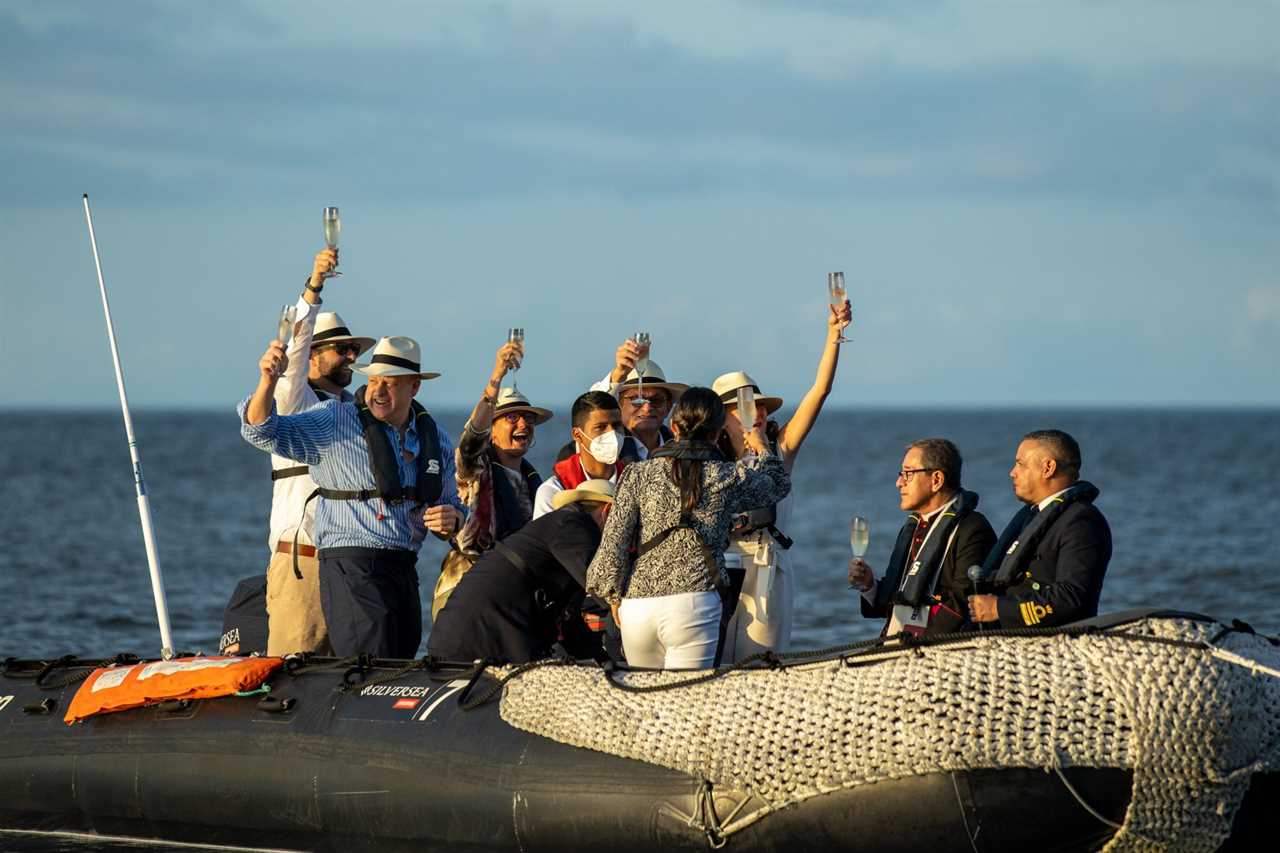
495,480
597,435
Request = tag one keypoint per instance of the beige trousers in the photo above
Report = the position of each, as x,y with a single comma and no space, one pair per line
295,622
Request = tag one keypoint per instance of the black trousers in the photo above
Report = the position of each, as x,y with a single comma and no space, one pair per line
370,601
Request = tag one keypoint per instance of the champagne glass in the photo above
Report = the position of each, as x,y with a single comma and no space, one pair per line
288,314
859,536
515,336
642,340
332,228
838,295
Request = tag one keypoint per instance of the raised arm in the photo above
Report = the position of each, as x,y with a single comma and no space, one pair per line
624,361
475,434
291,391
806,415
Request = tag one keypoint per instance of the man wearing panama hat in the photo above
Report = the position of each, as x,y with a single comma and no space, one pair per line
525,592
495,480
645,395
378,461
320,354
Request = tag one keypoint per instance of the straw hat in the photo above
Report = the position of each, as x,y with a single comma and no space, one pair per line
510,400
593,491
395,356
653,377
727,386
331,330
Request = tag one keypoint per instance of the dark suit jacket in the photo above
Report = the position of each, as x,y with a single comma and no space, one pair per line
974,539
1063,581
497,611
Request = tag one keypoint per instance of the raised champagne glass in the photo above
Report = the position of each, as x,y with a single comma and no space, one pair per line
515,336
284,325
643,341
838,295
332,228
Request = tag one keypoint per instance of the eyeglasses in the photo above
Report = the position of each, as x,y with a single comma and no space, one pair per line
905,474
639,400
342,349
514,417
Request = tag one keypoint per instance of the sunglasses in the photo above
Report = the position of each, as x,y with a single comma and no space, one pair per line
342,349
639,400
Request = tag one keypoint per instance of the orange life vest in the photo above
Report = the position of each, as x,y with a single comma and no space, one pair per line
117,688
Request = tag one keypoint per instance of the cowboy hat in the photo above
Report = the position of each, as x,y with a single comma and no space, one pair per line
727,385
510,400
395,356
651,373
591,491
331,330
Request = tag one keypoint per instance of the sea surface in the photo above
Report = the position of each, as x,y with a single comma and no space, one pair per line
1191,497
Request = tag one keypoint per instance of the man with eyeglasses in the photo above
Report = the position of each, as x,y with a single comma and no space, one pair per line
495,481
645,397
295,622
925,586
1048,566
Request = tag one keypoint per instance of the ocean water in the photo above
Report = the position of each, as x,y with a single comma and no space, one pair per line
1190,496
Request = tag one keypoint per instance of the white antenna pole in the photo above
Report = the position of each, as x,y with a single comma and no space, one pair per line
144,504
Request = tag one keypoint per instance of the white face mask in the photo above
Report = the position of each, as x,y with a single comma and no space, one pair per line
605,446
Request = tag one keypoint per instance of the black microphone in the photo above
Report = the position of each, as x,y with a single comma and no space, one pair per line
975,574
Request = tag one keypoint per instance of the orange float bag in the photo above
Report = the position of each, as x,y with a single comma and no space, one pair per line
117,688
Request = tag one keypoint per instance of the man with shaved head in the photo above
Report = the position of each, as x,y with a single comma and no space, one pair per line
1048,565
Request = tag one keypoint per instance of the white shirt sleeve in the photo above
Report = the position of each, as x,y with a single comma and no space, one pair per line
542,500
870,594
293,394
606,385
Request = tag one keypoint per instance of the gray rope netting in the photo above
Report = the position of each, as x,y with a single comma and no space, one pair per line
1191,726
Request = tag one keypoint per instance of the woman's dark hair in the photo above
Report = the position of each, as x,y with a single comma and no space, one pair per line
698,416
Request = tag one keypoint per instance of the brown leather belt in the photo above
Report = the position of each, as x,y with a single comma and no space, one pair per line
284,546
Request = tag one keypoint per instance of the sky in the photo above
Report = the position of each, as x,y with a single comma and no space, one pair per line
1071,203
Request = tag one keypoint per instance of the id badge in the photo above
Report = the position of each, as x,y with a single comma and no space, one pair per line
913,620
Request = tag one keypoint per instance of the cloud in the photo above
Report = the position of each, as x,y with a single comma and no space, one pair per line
472,101
1258,318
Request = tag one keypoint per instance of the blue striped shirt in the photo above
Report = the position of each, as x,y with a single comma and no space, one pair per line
328,437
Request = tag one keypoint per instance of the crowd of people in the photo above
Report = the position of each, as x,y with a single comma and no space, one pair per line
658,540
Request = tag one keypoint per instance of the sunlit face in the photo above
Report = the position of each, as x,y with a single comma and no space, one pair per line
513,432
389,397
917,485
643,408
1031,471
598,422
334,363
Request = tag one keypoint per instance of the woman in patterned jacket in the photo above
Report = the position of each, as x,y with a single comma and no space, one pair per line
677,508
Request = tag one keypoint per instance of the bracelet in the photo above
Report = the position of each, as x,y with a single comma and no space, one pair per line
313,289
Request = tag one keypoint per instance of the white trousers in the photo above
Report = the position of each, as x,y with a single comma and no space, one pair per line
761,622
671,631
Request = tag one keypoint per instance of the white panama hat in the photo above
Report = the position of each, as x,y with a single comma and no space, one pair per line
510,400
652,377
592,491
395,356
330,329
727,385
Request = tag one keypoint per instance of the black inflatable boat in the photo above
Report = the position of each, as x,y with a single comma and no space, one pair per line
387,755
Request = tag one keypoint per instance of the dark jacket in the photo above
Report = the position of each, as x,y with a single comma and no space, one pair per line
974,538
504,613
1063,581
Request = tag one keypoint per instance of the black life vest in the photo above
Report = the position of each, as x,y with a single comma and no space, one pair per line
1017,544
696,451
762,518
429,483
915,583
506,503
